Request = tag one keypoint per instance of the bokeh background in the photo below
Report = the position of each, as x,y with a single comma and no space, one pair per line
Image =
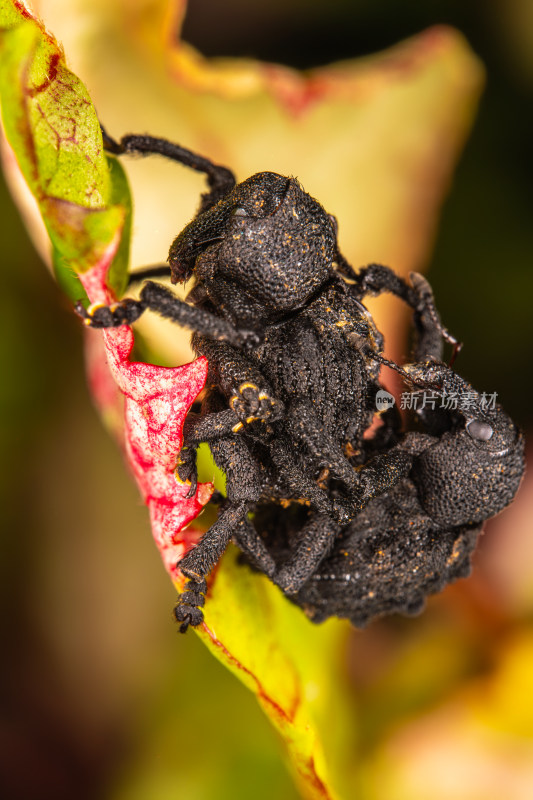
99,697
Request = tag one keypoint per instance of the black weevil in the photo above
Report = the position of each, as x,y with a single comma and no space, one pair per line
294,359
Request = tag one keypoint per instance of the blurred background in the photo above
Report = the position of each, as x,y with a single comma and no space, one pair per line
85,601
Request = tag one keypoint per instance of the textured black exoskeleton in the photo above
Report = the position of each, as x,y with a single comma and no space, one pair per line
417,536
294,359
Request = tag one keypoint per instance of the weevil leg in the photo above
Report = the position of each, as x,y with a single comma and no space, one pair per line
220,180
248,392
251,543
378,475
305,428
144,274
309,546
200,561
244,485
428,324
202,558
375,279
202,428
314,542
298,485
163,302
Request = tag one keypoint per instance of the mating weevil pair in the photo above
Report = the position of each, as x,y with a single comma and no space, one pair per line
345,525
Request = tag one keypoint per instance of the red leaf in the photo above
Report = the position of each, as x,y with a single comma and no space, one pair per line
149,420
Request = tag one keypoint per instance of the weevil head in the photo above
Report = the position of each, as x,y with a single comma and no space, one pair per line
270,237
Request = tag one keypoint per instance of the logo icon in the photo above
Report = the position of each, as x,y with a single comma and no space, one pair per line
384,400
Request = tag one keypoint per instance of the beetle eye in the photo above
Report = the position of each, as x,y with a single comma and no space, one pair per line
481,431
240,212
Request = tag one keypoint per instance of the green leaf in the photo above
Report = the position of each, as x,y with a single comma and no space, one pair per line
51,124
